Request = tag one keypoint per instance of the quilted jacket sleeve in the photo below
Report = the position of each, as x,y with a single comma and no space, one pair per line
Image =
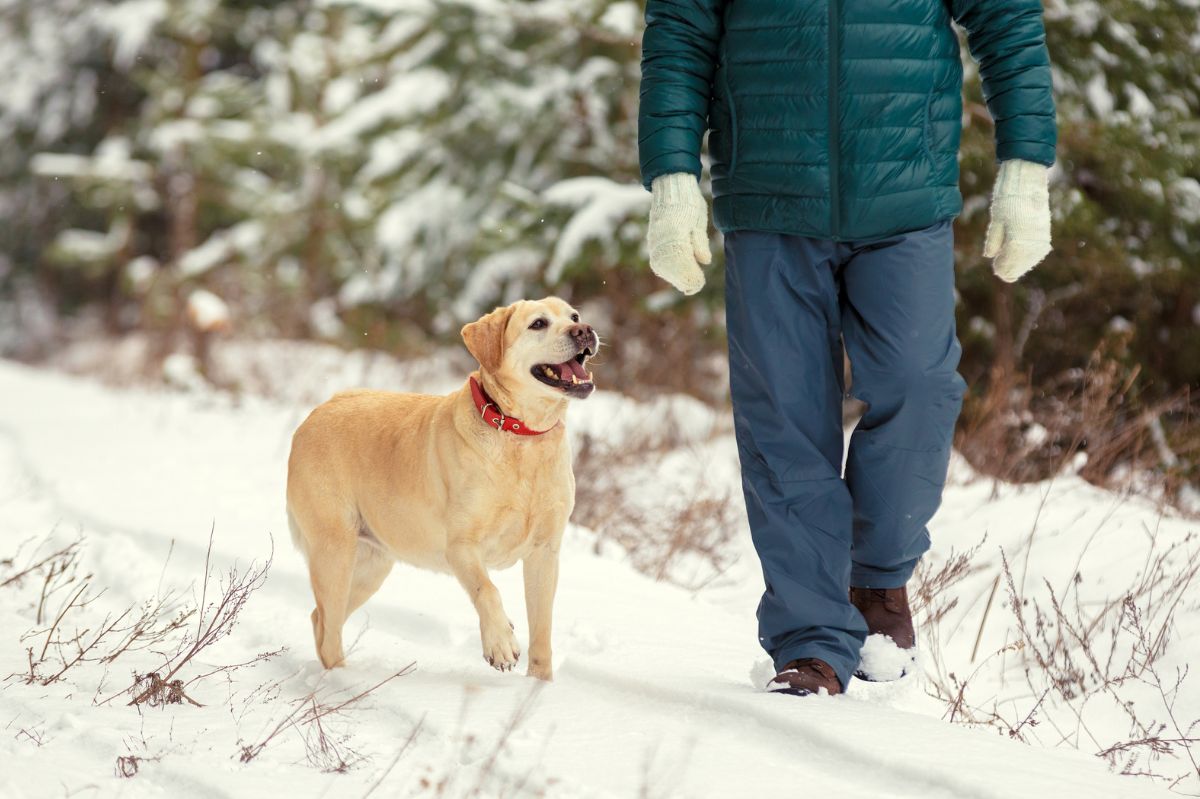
679,56
1008,40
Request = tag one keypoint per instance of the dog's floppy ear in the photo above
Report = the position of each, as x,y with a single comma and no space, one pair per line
485,337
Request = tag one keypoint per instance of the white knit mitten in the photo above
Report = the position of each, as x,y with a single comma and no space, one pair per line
1018,236
678,234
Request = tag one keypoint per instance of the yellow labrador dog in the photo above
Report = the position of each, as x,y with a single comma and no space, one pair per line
463,483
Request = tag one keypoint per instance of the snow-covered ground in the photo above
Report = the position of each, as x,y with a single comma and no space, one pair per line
657,690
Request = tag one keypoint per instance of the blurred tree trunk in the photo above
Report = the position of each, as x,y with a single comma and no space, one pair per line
313,254
182,207
1004,364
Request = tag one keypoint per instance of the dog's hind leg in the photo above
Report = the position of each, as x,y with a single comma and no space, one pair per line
297,533
331,566
372,564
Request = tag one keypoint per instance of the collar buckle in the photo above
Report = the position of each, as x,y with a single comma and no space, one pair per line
500,422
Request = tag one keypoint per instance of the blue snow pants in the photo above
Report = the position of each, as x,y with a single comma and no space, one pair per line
792,303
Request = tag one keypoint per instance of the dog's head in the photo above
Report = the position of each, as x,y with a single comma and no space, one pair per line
541,344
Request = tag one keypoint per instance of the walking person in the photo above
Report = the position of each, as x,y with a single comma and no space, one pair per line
834,134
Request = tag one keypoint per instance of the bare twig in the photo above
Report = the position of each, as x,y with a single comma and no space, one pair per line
61,554
412,736
213,623
306,717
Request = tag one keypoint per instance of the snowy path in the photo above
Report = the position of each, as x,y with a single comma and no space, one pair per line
653,694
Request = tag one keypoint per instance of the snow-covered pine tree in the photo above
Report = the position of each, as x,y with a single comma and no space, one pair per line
131,181
501,159
1124,273
347,166
487,152
57,90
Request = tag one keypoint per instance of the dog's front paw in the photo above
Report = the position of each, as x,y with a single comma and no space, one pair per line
500,647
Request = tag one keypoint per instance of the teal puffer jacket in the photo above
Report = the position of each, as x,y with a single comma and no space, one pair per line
836,119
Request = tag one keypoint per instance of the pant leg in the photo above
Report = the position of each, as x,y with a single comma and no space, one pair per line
785,362
898,327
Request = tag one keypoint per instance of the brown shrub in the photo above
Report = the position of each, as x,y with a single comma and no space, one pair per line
659,536
1097,418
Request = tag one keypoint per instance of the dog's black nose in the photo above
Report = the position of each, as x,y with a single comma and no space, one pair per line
583,335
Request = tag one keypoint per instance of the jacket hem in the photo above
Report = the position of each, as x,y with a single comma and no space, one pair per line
730,215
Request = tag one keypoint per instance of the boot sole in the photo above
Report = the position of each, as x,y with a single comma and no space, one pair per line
799,692
791,691
862,675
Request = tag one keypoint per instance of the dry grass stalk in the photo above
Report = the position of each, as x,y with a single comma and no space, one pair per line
412,736
179,633
58,561
661,537
518,717
128,765
156,692
308,717
491,782
214,621
34,735
72,638
933,596
1077,652
1171,737
1019,432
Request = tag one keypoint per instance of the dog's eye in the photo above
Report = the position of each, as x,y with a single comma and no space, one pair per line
574,317
538,324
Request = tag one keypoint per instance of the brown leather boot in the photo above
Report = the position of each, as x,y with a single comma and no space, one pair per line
886,611
806,676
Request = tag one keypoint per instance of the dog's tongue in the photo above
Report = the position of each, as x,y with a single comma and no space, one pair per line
571,367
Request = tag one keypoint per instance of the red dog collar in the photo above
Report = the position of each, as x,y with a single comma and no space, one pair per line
490,412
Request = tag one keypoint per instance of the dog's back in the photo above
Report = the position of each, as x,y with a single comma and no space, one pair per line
347,461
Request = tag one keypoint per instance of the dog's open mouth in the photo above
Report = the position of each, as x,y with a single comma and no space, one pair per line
570,377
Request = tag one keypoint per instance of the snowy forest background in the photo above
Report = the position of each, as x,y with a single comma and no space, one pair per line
374,173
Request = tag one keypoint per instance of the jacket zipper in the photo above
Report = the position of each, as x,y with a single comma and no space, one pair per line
834,144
